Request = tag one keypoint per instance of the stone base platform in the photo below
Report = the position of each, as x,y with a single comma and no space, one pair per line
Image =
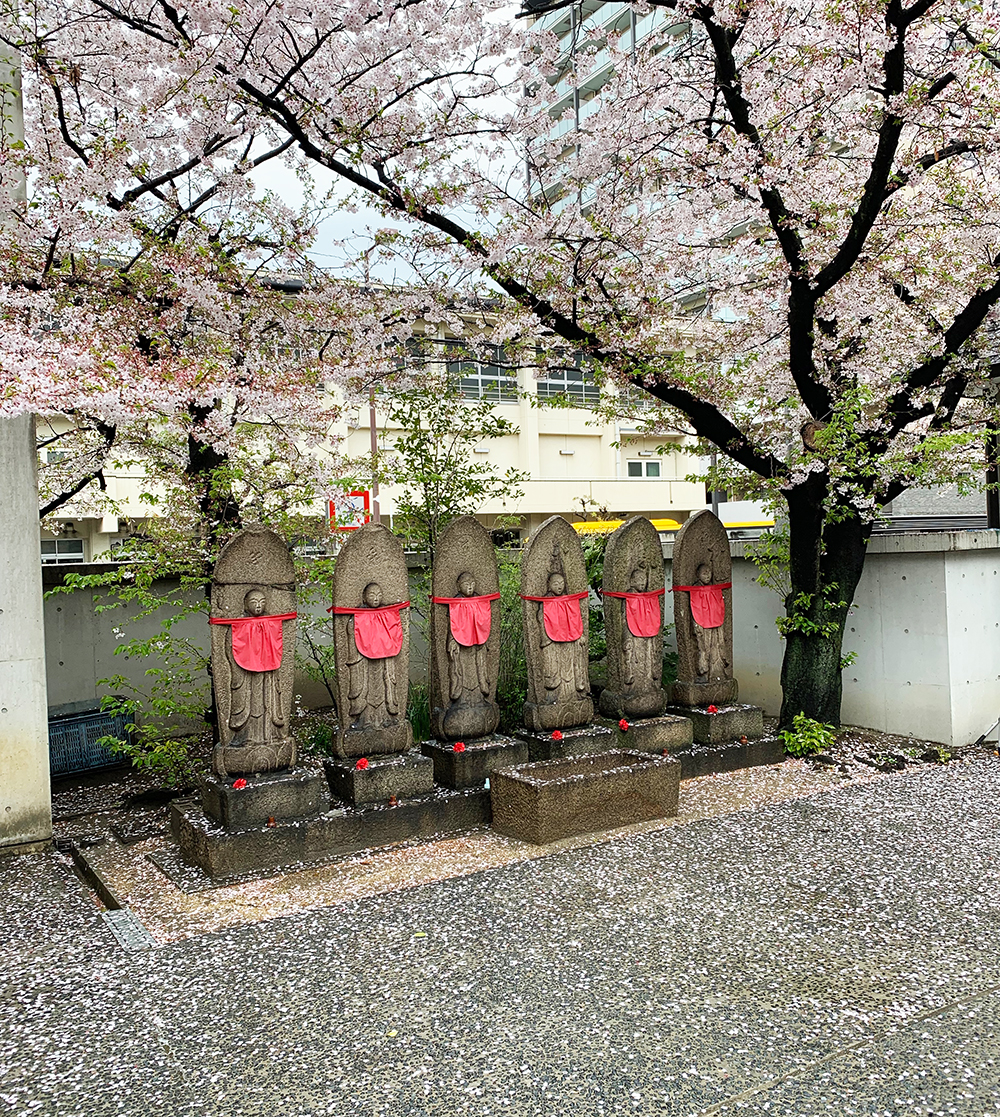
581,741
655,734
403,776
552,799
294,793
229,855
707,760
719,692
730,723
473,767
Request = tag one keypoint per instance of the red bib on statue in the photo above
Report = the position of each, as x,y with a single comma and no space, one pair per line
378,632
643,613
708,607
470,618
257,642
563,618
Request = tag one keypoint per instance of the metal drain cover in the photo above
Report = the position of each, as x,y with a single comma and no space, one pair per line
127,929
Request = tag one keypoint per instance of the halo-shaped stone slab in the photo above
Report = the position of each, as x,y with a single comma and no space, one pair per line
371,693
633,561
255,558
558,681
705,657
463,680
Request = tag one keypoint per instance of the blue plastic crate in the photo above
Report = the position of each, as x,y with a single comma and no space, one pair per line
73,741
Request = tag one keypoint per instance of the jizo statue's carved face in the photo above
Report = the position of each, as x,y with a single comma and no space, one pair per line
254,603
556,585
372,596
704,574
466,584
639,579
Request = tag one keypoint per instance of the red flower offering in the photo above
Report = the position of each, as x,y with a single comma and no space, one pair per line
556,735
713,709
623,725
362,764
458,746
239,784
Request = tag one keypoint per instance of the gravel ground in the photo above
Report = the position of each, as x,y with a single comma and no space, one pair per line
832,954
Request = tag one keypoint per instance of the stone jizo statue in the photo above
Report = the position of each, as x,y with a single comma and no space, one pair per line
633,593
564,657
554,592
376,636
465,646
371,653
253,655
702,587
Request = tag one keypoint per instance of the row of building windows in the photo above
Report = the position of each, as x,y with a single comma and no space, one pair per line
491,377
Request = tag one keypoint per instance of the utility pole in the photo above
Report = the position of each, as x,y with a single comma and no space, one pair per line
25,790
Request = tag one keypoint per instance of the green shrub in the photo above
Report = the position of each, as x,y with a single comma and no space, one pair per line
807,736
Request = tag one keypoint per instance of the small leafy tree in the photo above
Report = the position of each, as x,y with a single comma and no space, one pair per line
199,499
433,459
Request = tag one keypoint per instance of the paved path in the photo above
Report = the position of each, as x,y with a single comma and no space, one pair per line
829,955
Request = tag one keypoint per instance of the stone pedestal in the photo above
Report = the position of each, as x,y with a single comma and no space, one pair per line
707,760
295,793
543,802
403,777
719,692
581,741
474,766
656,734
225,856
730,723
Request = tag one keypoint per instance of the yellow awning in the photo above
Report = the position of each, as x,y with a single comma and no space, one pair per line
598,527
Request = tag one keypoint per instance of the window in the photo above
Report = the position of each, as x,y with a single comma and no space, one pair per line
61,550
489,379
573,381
643,469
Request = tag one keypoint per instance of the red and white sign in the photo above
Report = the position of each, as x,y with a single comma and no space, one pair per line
349,511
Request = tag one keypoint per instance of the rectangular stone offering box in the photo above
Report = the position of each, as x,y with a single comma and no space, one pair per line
404,776
729,724
581,741
543,802
656,734
293,793
474,766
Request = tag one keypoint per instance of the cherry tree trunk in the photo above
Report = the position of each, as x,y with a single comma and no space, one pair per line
826,557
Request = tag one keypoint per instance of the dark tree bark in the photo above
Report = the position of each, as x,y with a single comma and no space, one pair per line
826,560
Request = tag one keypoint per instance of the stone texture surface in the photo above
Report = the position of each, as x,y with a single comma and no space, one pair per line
463,679
295,793
474,766
371,693
404,777
225,854
729,724
558,679
254,708
707,760
633,562
656,734
552,799
579,741
701,553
